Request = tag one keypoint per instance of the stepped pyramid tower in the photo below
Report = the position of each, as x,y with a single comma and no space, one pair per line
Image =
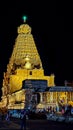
25,63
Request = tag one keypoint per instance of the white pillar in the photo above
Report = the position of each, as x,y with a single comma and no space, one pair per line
51,97
66,97
41,97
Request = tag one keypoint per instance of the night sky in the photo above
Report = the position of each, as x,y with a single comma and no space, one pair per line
52,30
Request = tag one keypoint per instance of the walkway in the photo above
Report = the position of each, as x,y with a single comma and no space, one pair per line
35,125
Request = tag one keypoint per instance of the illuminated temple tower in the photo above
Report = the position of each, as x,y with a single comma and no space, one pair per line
25,63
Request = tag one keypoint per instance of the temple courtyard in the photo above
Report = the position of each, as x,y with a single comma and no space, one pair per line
14,124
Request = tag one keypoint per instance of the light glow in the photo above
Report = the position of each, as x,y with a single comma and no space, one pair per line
24,18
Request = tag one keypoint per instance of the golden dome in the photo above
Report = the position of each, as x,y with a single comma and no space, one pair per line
24,28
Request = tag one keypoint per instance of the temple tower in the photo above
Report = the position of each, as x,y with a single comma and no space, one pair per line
24,55
25,50
25,63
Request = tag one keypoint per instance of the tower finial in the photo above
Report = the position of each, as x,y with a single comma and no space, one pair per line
24,18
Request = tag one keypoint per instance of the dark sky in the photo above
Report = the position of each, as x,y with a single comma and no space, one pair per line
52,29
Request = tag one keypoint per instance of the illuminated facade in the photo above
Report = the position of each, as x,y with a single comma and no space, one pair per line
25,63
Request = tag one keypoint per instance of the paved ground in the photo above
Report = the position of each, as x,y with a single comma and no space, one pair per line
8,126
35,125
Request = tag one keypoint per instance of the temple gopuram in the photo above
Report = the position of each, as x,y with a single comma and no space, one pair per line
24,79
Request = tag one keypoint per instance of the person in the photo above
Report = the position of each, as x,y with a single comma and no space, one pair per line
23,119
8,117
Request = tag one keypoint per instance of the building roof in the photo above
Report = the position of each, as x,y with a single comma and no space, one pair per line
56,89
61,89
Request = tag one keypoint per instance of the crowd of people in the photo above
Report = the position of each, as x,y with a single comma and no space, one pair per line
66,110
